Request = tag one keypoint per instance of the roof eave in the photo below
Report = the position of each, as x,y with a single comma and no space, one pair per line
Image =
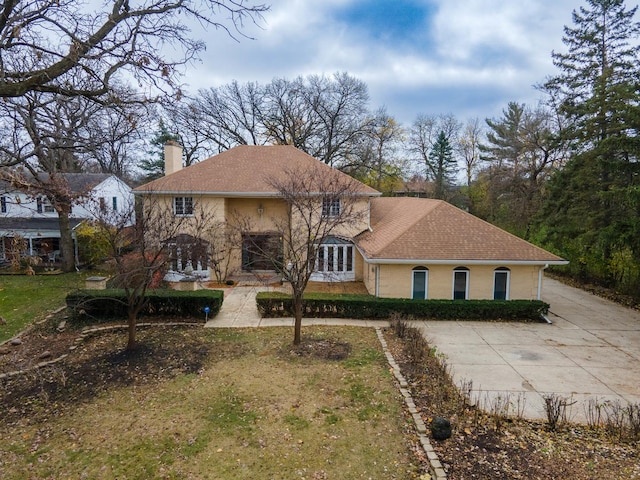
234,194
459,261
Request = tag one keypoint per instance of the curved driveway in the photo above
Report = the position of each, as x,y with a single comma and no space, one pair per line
591,352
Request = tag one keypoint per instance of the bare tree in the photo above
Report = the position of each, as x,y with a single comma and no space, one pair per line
50,135
141,250
325,117
320,203
468,147
43,42
376,158
425,133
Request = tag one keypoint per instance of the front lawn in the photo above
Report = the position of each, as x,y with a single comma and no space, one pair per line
219,404
24,299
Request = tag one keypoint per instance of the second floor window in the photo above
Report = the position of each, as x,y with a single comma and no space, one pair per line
183,205
330,207
3,204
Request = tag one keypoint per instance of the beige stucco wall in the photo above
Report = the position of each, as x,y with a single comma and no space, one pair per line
258,215
247,211
395,281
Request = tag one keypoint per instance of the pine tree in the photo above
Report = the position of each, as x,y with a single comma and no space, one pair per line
442,166
153,167
593,212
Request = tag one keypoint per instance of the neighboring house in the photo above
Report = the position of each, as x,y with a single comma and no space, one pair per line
401,247
32,217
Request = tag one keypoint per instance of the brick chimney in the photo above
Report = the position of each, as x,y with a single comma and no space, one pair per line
172,157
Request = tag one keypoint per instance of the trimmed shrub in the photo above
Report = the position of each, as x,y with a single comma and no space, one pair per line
112,303
276,304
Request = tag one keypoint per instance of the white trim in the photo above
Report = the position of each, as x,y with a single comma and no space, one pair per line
342,273
426,282
508,289
453,282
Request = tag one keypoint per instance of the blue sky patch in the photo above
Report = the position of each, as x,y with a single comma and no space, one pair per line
397,20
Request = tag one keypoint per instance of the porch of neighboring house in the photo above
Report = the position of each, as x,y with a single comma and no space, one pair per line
33,238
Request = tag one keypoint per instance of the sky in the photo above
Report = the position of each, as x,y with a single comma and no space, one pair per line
465,57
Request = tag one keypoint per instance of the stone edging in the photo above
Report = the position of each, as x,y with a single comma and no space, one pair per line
435,467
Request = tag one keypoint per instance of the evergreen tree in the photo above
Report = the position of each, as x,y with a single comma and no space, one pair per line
153,166
520,152
442,166
593,212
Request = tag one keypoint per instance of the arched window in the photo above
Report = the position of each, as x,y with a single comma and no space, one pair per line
419,283
461,283
501,280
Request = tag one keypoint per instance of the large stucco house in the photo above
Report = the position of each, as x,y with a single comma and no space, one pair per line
398,247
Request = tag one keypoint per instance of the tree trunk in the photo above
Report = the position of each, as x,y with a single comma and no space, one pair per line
67,252
131,339
297,326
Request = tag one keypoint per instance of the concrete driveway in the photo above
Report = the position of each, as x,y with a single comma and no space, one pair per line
591,352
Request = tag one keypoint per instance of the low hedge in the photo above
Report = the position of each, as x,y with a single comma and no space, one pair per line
112,303
276,304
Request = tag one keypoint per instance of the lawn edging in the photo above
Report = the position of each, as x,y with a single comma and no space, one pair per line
435,467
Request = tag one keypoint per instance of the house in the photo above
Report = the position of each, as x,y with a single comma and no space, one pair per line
399,247
32,217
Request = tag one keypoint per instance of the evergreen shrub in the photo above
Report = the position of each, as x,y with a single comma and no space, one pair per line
276,304
112,303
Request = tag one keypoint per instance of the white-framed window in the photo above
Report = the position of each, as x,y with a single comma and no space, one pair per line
183,205
461,283
114,203
43,205
419,283
3,204
501,281
330,207
103,204
334,261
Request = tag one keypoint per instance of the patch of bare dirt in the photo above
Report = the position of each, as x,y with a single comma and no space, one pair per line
97,364
319,348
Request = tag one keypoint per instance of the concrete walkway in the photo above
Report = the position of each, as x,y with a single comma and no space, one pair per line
590,352
239,310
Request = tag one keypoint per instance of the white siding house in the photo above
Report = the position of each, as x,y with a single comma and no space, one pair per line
34,219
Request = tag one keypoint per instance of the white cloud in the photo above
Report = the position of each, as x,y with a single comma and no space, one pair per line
473,57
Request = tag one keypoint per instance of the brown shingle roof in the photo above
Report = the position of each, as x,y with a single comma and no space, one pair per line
243,171
426,229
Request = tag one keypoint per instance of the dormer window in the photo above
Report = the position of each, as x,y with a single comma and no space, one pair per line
183,205
330,207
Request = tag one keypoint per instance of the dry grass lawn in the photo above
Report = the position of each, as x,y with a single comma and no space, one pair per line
253,408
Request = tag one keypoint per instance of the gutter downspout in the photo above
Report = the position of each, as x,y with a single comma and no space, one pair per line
377,281
540,272
540,276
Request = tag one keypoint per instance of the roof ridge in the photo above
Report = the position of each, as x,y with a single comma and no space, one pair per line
406,226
